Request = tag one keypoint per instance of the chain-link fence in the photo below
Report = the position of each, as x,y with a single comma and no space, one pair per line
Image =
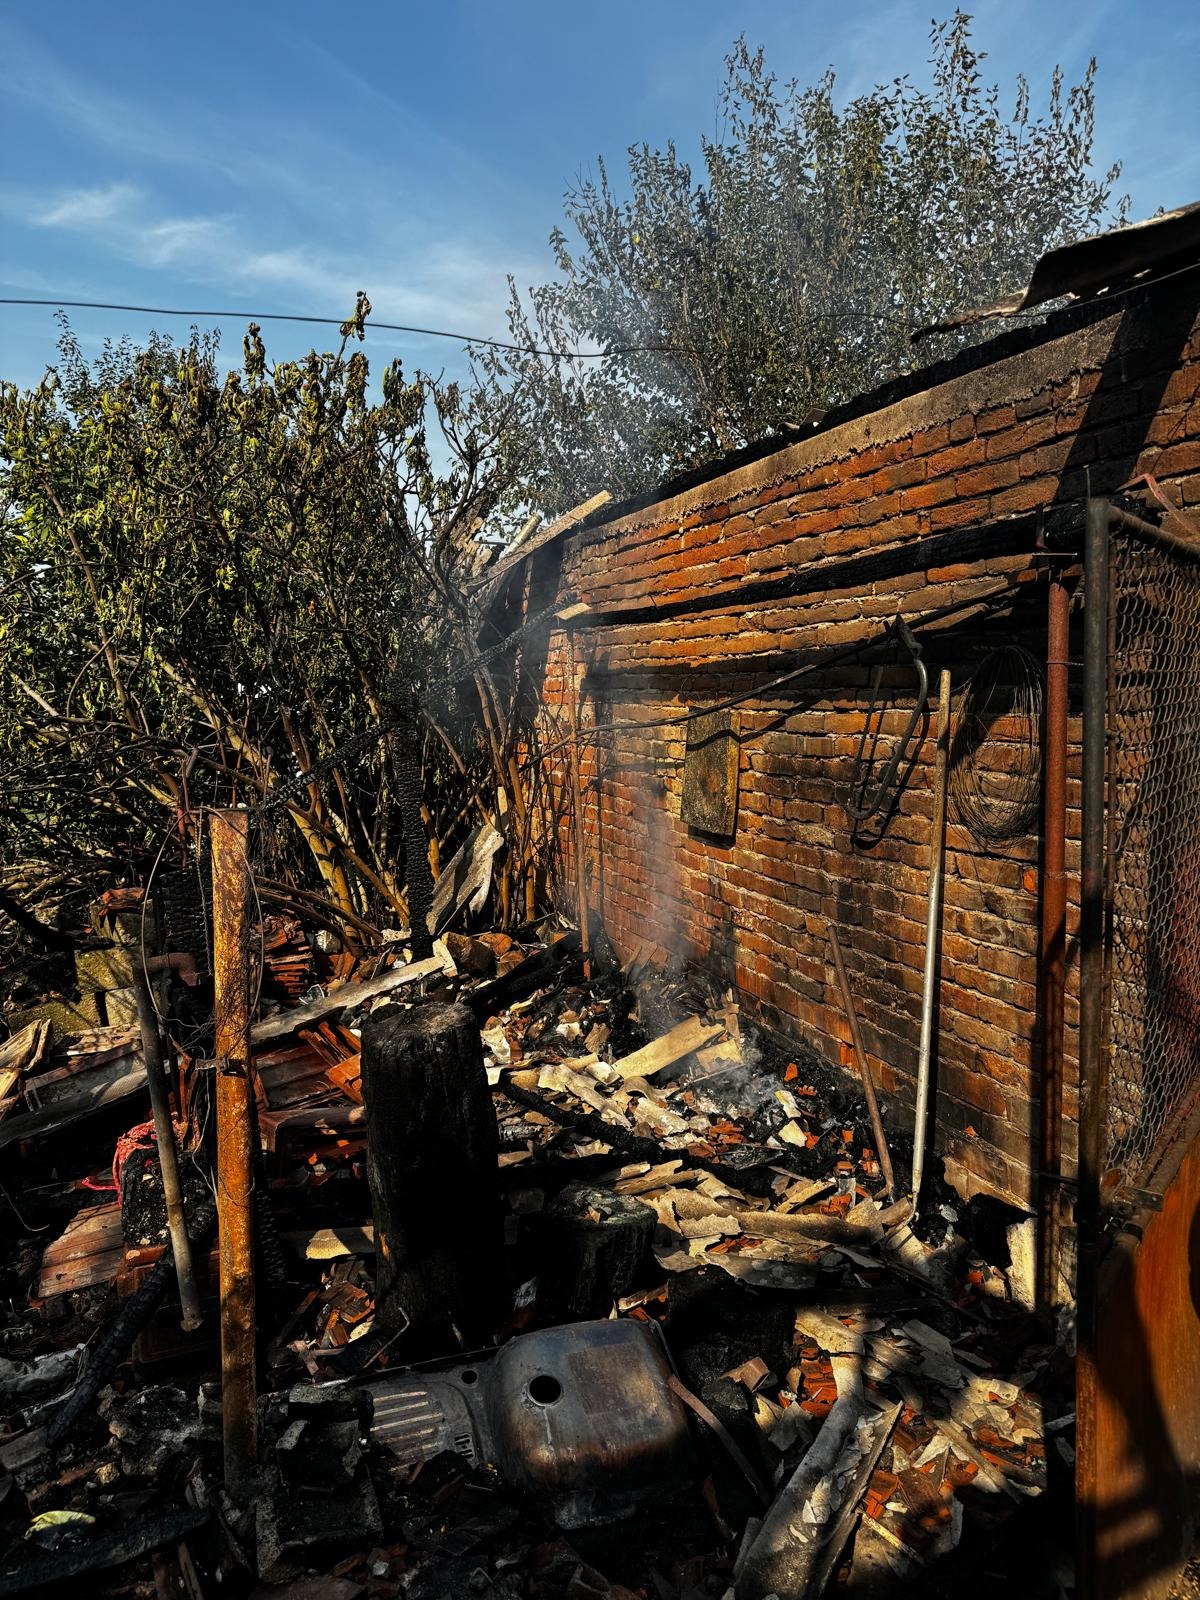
1153,845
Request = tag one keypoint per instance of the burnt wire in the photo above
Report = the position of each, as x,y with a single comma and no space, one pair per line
850,652
996,754
358,744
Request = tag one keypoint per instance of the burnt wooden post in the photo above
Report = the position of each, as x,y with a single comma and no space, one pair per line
432,1149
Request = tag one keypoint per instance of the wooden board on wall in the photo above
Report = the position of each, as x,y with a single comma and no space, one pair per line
710,774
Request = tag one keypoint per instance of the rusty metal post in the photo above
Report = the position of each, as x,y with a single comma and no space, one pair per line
168,1164
235,1152
577,805
1093,1087
1053,944
864,1067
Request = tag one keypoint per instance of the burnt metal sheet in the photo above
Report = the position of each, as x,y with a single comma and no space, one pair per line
1090,265
580,1416
710,774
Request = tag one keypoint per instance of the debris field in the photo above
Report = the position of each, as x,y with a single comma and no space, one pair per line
620,1303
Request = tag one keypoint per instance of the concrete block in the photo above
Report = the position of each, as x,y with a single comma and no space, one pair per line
104,967
120,1006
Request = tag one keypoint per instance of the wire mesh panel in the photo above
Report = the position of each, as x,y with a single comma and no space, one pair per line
1153,845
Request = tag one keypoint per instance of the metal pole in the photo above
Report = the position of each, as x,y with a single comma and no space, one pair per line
1092,1066
235,1153
937,860
168,1165
577,805
864,1069
1176,543
1053,955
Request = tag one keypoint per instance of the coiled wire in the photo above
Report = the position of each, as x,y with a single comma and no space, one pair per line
996,780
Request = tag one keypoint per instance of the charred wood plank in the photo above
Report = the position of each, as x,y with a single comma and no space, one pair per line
349,995
534,972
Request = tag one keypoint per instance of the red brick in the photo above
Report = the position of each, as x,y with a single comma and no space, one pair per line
985,480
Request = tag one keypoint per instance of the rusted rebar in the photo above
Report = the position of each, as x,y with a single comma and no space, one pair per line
235,1150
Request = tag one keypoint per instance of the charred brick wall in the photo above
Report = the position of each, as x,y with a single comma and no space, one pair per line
930,497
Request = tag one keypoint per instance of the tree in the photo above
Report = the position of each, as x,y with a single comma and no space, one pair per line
791,275
251,589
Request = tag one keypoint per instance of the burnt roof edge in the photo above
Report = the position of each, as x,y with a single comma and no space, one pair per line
975,358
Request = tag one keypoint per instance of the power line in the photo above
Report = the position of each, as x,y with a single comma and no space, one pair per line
336,322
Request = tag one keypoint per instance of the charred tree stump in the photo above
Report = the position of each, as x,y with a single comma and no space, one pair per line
596,1246
432,1147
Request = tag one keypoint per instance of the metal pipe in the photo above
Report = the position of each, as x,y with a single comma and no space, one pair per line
235,1151
168,1164
1092,1067
1053,944
577,805
1176,543
937,859
864,1069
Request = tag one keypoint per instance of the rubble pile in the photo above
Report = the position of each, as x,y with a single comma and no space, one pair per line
725,1359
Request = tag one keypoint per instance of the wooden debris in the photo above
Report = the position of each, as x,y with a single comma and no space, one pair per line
495,575
466,877
352,995
90,1250
860,1225
330,1244
471,955
688,1036
21,1053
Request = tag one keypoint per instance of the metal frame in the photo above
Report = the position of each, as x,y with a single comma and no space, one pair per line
1094,996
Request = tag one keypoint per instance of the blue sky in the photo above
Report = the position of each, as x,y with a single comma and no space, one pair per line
279,156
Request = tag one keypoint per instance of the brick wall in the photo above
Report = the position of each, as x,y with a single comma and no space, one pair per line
922,499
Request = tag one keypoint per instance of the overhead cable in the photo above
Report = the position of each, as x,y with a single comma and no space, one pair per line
335,322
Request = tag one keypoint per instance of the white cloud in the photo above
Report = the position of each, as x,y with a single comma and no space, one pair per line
417,273
87,208
275,214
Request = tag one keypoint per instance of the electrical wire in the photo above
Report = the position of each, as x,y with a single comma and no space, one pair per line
875,318
357,745
339,322
848,652
996,777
